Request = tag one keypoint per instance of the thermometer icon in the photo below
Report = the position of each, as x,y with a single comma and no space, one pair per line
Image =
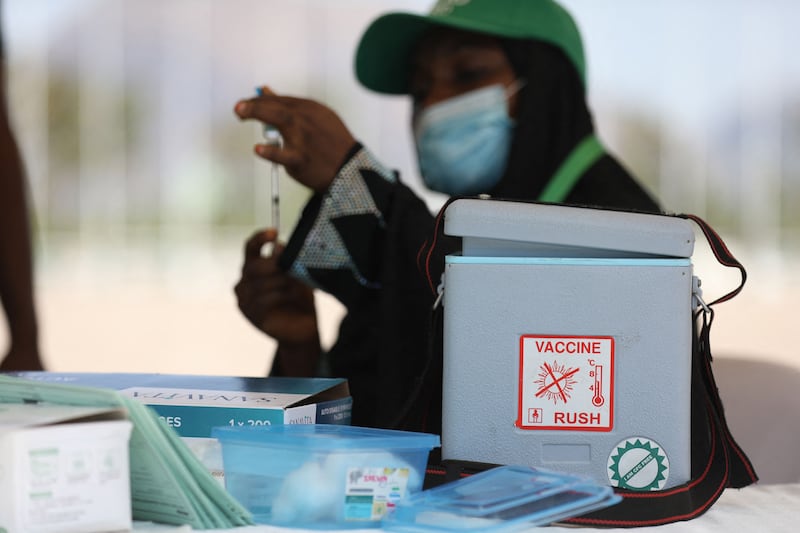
597,399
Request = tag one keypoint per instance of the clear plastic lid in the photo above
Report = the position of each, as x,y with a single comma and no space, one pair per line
506,498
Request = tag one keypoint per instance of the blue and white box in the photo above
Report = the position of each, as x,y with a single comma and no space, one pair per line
194,404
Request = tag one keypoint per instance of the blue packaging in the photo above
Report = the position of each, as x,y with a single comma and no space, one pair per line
504,499
319,476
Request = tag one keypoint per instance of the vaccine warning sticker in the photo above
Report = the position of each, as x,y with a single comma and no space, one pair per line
566,383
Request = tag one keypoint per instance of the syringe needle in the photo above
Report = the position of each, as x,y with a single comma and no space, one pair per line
275,192
273,136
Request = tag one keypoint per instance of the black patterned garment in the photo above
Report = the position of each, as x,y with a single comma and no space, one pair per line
347,203
359,242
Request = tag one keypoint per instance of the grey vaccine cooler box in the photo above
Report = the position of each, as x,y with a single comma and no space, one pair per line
568,341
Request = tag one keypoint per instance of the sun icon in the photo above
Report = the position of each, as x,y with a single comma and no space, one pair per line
638,464
555,382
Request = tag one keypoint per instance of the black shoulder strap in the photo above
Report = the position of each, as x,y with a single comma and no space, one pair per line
717,460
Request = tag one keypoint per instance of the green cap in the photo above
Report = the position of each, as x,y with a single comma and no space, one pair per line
383,55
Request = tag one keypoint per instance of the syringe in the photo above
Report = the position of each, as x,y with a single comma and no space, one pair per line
273,136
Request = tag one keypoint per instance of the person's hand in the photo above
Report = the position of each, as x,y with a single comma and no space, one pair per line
279,305
315,140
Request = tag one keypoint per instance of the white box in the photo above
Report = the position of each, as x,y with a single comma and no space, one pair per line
64,469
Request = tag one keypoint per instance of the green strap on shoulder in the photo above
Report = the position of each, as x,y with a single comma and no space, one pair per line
577,162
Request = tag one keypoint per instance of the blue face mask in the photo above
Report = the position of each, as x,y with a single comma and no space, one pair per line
463,142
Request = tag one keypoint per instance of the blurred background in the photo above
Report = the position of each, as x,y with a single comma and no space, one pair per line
144,186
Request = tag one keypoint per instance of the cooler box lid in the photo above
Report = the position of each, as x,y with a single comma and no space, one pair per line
499,228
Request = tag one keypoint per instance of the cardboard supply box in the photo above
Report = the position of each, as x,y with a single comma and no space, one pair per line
64,469
193,404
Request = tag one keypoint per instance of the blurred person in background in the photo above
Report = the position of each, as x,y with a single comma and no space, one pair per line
498,89
16,265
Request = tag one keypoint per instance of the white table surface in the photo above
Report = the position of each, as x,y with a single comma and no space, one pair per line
757,508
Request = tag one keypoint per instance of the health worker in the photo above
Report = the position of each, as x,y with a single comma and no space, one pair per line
499,107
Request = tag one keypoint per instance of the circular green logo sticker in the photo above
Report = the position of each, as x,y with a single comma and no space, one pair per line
638,463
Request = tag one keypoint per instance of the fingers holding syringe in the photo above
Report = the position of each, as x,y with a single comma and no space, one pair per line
315,140
255,244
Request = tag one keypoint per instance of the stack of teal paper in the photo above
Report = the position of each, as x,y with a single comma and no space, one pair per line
168,483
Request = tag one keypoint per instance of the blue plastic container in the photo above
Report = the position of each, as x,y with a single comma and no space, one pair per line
319,476
505,499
